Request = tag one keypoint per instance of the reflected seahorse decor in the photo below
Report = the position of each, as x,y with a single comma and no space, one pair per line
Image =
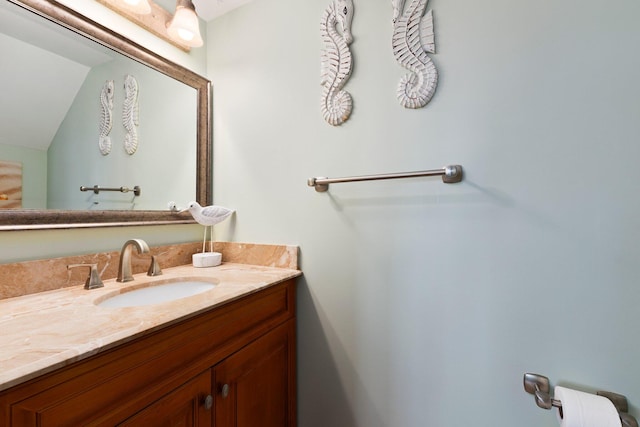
413,38
336,104
106,117
130,114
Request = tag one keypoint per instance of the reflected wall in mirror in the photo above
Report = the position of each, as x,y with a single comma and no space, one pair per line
51,79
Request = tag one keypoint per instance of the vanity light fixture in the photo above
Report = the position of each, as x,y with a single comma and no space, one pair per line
185,27
181,30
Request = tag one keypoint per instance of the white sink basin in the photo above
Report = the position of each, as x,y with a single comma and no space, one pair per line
156,294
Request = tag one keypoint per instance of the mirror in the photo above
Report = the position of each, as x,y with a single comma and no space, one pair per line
160,150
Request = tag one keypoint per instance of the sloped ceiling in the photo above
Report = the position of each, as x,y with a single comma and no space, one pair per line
41,73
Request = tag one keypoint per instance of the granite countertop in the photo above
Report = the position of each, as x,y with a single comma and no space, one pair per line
48,330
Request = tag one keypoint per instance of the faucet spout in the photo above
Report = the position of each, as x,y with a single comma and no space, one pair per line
124,267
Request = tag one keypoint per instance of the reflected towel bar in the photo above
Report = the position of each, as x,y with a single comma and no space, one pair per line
97,189
450,174
539,386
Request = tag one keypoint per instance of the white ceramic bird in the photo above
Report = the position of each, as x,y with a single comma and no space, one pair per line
208,216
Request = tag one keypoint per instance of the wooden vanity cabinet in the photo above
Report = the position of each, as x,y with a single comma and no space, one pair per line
252,385
186,406
231,366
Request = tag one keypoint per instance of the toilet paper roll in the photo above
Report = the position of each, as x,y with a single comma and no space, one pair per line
581,409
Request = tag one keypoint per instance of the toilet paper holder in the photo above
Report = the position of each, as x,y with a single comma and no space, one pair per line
539,386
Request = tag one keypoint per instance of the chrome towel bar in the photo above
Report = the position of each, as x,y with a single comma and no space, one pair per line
97,189
450,174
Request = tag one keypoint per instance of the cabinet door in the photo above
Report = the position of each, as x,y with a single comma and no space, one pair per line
256,385
187,406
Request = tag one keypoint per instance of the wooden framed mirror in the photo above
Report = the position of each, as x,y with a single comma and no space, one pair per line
29,219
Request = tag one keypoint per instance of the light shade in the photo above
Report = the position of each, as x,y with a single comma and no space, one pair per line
141,7
184,27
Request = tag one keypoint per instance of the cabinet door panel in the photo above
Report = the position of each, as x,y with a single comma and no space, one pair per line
259,382
183,407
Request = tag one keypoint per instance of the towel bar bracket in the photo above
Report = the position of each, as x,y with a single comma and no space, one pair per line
452,174
320,188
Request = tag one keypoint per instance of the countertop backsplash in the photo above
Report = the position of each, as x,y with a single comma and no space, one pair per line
29,277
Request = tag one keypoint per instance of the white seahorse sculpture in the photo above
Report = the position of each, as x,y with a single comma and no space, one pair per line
130,114
336,104
412,39
106,117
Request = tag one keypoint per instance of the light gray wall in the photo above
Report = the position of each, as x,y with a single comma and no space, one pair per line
423,304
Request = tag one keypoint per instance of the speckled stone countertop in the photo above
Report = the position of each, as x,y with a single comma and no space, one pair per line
45,331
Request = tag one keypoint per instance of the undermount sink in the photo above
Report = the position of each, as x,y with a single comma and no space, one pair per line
157,293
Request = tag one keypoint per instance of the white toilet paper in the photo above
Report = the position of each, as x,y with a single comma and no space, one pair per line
585,410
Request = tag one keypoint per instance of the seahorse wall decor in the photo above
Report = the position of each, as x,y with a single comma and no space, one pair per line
336,104
412,39
106,117
130,114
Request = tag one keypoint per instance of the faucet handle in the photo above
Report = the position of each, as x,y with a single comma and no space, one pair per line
93,281
154,267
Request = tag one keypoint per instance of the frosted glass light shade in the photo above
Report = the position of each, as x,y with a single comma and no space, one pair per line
184,27
141,7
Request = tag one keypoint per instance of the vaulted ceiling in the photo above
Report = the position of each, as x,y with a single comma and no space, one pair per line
39,83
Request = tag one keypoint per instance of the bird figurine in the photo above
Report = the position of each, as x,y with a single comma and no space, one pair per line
207,216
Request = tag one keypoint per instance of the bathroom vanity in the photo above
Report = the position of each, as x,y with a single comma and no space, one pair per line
225,357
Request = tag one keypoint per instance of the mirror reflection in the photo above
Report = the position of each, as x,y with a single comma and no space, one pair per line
50,120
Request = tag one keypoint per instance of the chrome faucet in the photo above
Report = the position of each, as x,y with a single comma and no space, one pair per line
124,267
